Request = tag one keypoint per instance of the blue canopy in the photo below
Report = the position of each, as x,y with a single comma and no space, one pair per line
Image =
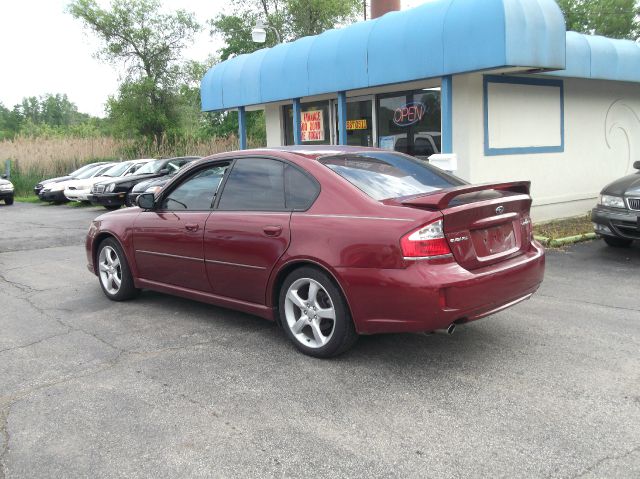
438,38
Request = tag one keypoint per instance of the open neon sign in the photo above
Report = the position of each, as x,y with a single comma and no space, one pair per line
409,114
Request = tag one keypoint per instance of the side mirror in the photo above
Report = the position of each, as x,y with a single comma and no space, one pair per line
164,171
4,177
636,165
146,201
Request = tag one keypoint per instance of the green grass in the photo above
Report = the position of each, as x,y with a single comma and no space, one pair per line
579,225
24,183
28,199
78,204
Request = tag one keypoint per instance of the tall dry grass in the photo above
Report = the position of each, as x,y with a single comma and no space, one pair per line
52,156
35,158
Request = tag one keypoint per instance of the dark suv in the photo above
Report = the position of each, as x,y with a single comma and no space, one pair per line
617,217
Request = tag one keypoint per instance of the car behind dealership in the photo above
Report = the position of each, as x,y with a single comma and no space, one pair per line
155,183
617,217
112,194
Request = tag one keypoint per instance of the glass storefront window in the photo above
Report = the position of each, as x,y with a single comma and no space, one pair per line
359,123
314,122
410,123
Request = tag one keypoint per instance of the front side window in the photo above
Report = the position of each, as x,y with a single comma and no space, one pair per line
254,184
389,175
197,192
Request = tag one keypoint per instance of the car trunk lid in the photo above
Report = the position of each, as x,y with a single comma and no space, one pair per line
483,224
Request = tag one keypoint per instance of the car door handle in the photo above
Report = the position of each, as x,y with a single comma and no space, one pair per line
272,230
192,227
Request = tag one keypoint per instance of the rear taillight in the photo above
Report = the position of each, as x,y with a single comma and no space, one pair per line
425,242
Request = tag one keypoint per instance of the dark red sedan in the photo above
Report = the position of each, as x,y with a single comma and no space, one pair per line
331,242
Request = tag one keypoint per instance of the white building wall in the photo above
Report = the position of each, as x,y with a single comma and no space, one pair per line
601,136
275,128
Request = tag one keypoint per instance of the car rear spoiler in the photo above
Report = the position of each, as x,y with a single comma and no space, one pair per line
440,199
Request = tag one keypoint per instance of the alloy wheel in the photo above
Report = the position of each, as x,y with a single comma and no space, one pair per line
310,312
110,270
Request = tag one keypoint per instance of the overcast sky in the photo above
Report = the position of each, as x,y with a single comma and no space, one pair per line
45,50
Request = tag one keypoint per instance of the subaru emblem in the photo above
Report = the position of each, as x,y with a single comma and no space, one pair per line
499,210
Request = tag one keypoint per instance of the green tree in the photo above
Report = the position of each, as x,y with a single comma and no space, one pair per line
611,18
287,20
149,44
291,19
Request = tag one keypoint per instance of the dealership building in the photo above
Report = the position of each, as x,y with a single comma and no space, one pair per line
500,84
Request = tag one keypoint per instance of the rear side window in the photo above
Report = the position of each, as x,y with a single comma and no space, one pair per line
300,190
254,184
390,175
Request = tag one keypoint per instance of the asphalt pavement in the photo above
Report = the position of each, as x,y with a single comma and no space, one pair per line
166,387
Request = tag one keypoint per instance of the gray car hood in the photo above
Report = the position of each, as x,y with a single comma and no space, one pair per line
627,185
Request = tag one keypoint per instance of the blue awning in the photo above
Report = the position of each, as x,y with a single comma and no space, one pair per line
438,38
591,56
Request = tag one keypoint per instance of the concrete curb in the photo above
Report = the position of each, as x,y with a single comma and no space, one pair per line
557,242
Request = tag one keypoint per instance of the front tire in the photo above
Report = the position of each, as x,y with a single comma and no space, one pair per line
314,314
8,201
114,273
616,242
113,207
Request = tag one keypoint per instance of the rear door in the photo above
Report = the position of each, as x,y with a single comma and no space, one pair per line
168,241
248,231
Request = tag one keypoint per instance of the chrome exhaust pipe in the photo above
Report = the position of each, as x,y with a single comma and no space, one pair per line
448,330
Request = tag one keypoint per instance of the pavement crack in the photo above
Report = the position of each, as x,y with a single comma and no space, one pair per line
69,330
611,457
25,288
584,301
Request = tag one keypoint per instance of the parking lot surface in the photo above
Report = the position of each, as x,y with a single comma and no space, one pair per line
165,387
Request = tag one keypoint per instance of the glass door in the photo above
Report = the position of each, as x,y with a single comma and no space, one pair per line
360,121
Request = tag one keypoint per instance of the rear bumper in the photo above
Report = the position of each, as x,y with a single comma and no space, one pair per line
425,296
617,222
108,199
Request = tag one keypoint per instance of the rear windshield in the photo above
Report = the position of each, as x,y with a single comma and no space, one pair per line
390,175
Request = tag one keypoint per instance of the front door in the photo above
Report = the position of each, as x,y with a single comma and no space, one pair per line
359,122
249,231
168,241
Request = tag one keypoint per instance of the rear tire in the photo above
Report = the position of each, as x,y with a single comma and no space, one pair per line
113,272
616,242
314,314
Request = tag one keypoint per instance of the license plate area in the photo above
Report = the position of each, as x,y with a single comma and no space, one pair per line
494,240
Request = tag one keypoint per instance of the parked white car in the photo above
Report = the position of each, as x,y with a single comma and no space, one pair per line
54,191
79,190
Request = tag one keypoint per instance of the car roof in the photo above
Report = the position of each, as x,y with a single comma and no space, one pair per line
305,151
